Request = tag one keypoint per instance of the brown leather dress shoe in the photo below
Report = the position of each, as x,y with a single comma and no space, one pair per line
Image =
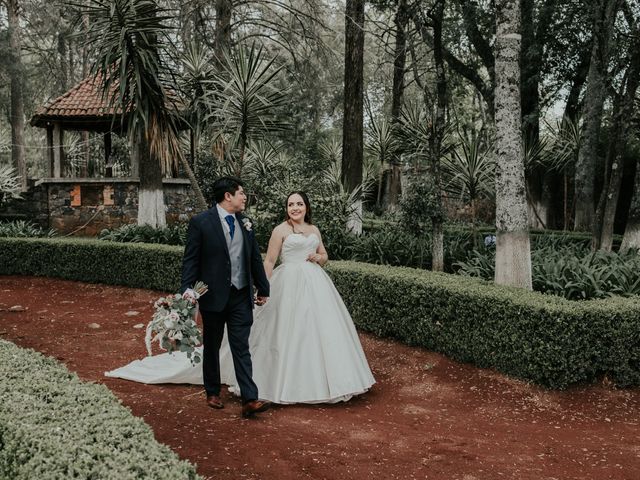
214,401
249,409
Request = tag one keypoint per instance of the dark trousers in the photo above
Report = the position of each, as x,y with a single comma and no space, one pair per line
238,316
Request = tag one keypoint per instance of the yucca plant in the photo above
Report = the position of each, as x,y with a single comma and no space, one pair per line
197,74
9,183
129,39
555,151
23,228
468,173
243,100
382,144
330,151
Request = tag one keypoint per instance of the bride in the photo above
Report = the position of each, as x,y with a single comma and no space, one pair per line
304,346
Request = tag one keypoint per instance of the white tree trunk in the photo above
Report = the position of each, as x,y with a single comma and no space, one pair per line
354,222
513,252
437,250
631,238
151,210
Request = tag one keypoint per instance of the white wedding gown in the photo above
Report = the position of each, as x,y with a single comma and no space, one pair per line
304,346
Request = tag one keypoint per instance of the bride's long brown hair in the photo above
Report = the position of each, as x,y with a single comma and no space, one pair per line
305,199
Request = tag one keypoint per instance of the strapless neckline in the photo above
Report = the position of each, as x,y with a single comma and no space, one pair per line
300,235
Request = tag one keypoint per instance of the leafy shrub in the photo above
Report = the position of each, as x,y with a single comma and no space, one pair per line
53,426
419,206
9,183
573,272
22,228
142,265
542,338
175,234
393,245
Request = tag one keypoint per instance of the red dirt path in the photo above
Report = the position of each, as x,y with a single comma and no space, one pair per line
427,417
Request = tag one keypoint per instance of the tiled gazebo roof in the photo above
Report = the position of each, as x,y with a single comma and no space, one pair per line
82,107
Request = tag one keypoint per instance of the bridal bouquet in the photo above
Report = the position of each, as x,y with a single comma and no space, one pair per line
173,324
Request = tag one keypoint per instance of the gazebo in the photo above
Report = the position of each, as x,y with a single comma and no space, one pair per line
81,108
86,203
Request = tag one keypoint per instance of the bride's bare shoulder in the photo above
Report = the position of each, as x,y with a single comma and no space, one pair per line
282,228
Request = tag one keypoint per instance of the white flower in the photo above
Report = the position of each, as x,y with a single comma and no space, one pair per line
247,224
190,295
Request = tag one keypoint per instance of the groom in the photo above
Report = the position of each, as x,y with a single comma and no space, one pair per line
222,251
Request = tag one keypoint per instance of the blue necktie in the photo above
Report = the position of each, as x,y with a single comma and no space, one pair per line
232,225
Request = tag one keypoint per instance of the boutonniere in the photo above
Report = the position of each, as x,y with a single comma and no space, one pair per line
246,223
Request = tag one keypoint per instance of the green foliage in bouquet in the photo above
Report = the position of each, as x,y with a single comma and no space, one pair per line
54,426
173,324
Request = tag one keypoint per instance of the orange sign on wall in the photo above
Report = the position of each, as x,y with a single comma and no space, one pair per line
76,199
107,195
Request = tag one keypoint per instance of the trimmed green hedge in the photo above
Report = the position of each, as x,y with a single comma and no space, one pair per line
53,426
542,338
140,265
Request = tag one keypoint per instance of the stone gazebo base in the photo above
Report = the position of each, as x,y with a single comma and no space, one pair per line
86,206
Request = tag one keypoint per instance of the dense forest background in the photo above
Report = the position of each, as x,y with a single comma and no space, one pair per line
428,91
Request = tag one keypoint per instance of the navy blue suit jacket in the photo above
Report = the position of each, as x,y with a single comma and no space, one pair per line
206,258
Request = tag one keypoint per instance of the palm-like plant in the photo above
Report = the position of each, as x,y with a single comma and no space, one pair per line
197,74
556,151
127,37
382,145
416,131
245,98
468,172
331,176
9,183
330,151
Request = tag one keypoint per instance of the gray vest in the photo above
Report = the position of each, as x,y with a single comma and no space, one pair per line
236,250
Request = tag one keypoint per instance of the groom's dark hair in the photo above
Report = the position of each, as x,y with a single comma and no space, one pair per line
225,185
305,199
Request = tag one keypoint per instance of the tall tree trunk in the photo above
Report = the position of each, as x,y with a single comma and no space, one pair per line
437,220
534,39
620,138
530,60
604,15
572,107
513,250
62,61
399,61
352,129
86,168
16,115
224,9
